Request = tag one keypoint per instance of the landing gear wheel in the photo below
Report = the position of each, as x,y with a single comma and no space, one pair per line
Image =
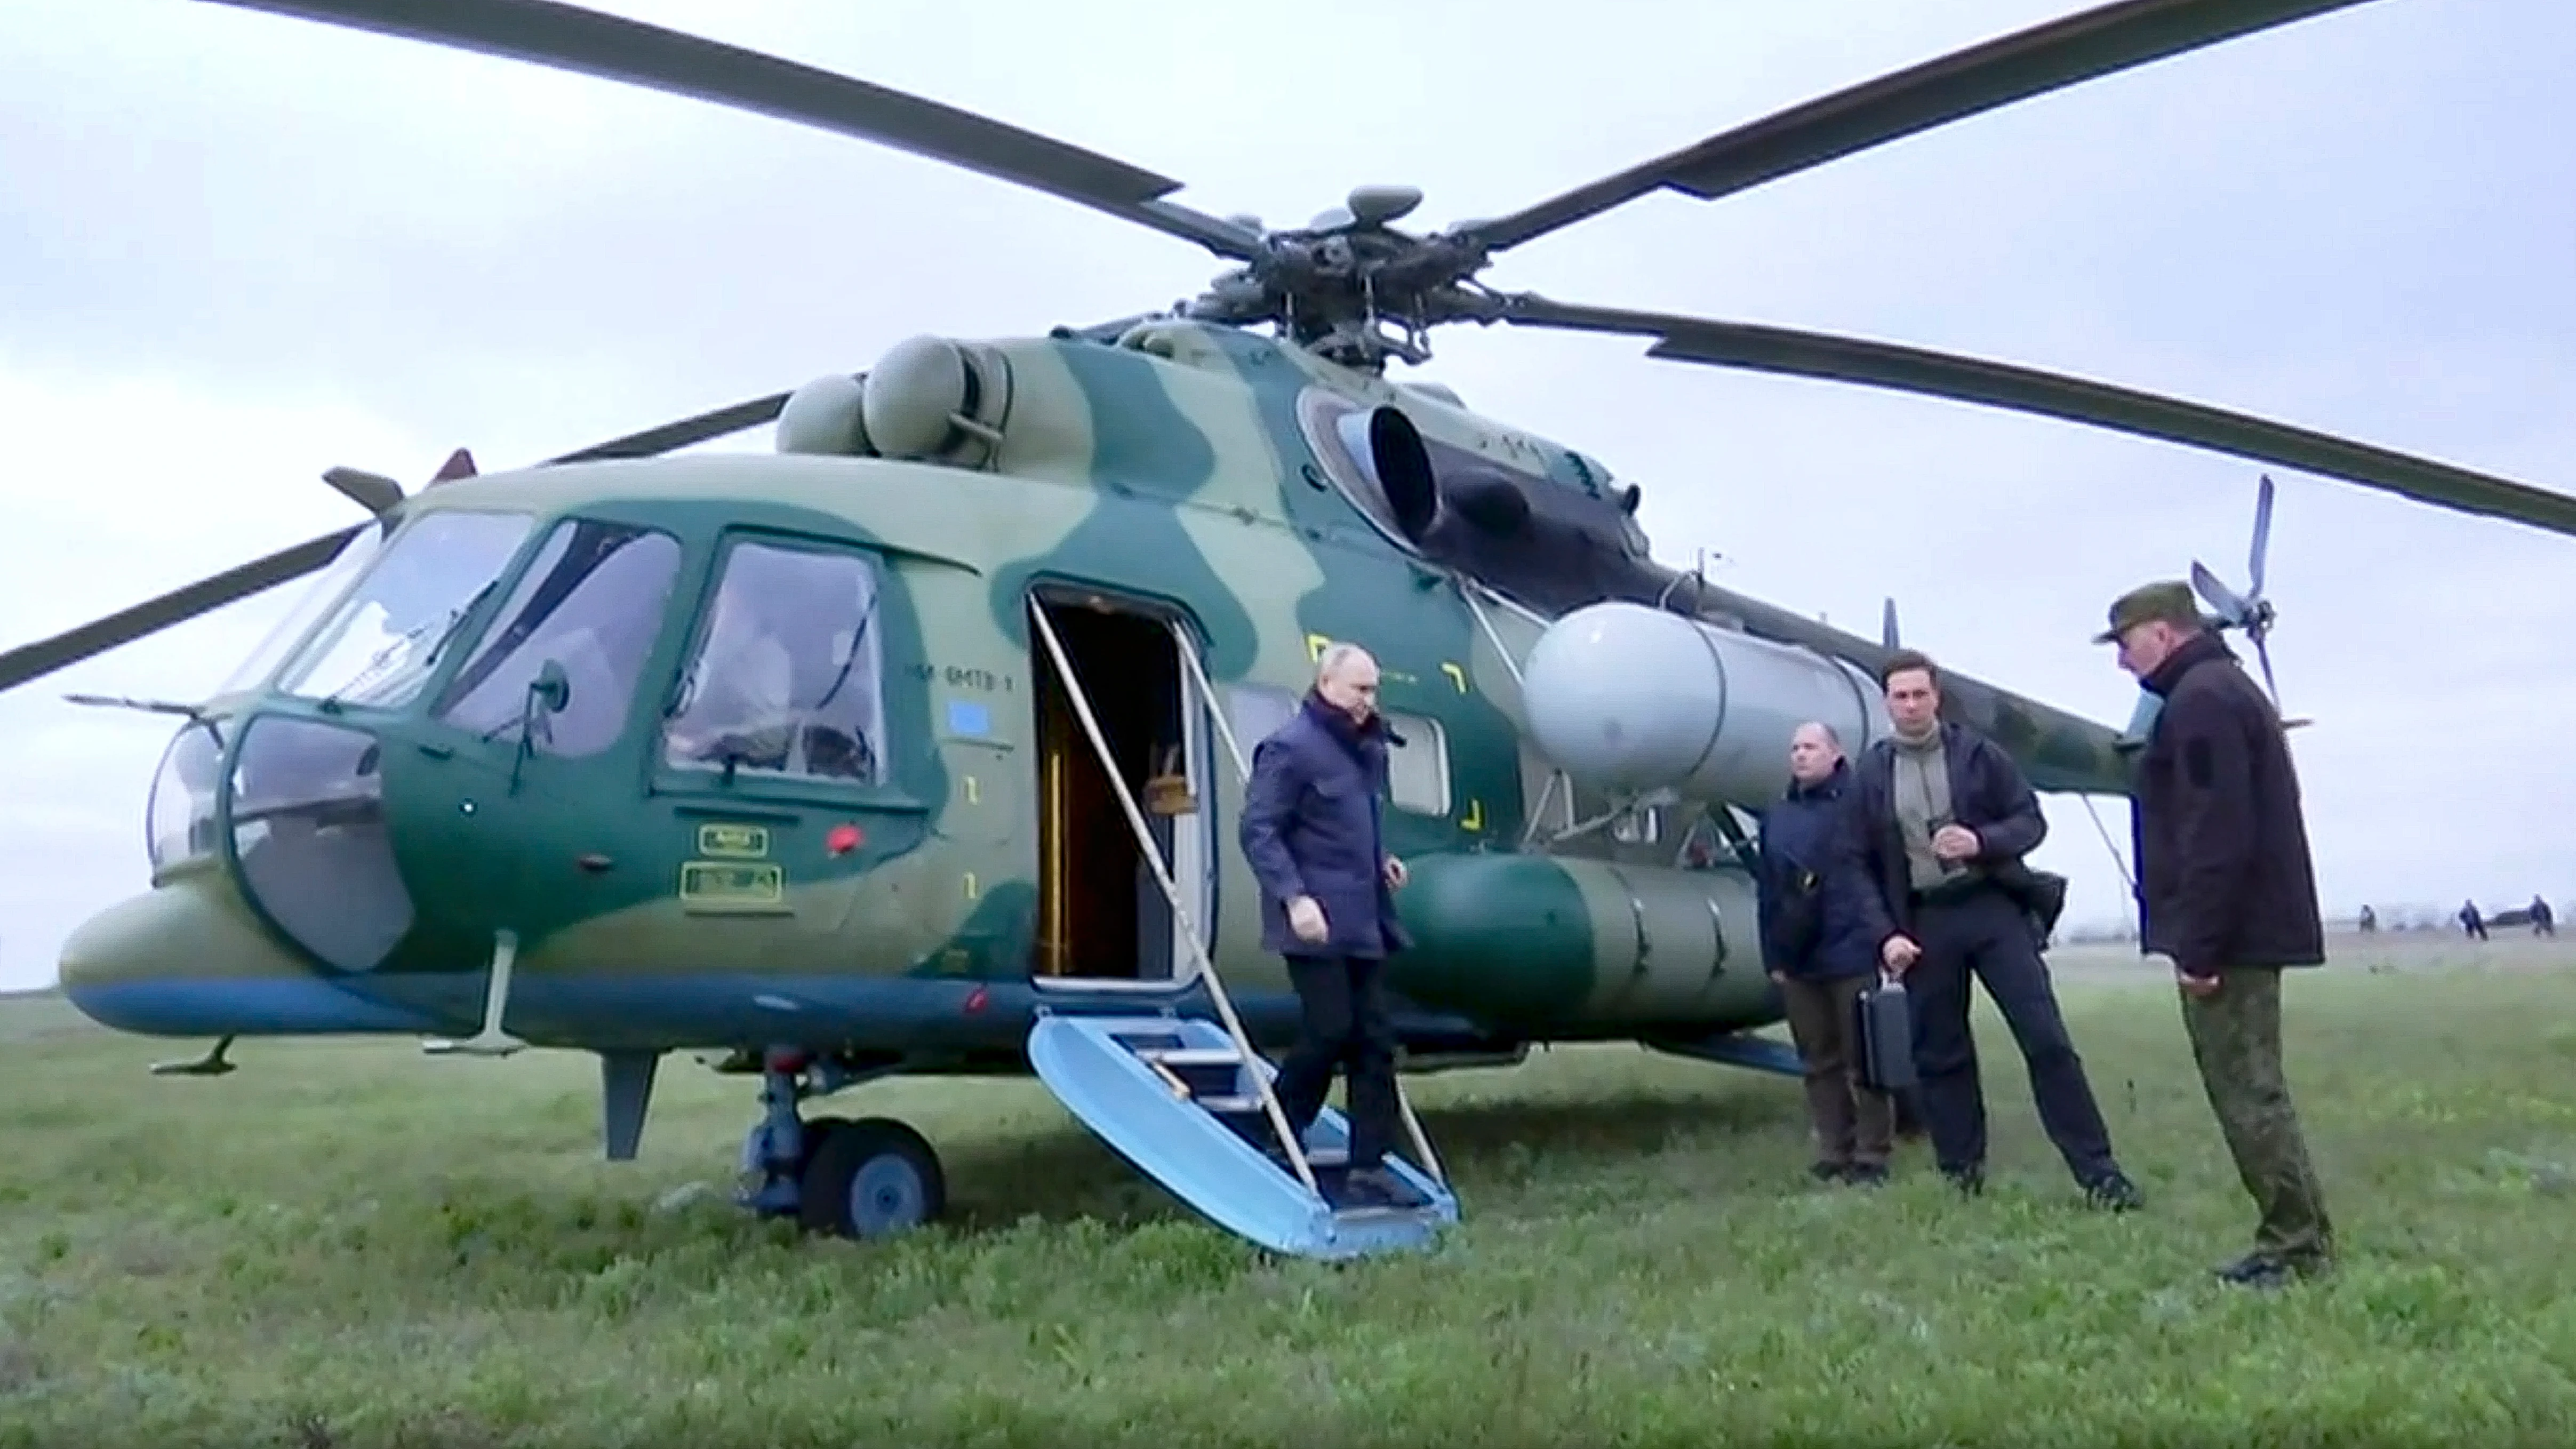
871,1178
773,1191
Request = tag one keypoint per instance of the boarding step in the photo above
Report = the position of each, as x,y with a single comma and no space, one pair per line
1177,1099
1192,1056
1110,996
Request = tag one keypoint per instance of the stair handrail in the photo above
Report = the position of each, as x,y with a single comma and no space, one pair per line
1081,701
1243,775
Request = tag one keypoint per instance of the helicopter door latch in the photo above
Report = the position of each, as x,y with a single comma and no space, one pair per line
491,1041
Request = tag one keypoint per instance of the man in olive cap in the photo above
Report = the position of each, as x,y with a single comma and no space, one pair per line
2227,892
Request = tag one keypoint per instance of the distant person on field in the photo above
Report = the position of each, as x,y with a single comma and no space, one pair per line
1817,946
2226,889
2473,922
1312,833
2369,921
1941,820
2542,922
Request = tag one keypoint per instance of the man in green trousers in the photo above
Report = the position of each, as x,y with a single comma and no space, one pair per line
2227,891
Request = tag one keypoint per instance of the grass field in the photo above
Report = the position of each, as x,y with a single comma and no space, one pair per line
350,1244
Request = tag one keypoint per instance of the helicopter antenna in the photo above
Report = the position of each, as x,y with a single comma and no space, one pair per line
2118,862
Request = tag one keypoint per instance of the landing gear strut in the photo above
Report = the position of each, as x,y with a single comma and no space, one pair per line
867,1178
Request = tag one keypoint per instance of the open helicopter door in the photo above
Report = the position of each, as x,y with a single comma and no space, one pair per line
1190,1102
1104,927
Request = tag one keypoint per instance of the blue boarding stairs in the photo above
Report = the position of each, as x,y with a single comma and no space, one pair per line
1192,1105
1191,1108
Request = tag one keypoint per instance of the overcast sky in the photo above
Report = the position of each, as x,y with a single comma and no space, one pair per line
236,250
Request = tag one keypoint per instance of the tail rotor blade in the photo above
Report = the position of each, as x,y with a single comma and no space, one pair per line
2263,654
2225,600
2262,537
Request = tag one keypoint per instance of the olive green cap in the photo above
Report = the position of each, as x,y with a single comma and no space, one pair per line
2166,599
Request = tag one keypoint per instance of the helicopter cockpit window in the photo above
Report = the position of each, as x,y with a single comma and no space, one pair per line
321,591
787,678
590,602
381,643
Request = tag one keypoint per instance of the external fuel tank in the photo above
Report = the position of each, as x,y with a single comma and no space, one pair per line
1626,699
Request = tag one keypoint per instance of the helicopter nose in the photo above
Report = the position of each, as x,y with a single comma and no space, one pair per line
186,958
240,945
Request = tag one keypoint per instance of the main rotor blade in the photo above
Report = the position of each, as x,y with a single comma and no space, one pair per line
1969,379
611,47
2015,67
705,427
34,661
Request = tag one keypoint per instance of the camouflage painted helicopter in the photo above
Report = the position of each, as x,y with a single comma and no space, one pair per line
910,747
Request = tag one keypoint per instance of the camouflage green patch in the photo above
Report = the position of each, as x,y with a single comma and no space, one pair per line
1506,939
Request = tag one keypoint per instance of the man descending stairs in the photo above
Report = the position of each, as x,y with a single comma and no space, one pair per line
1313,832
1212,1077
1189,1101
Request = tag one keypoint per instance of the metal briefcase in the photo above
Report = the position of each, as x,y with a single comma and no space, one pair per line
1884,1031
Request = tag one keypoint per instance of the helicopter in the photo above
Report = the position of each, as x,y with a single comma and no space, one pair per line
910,746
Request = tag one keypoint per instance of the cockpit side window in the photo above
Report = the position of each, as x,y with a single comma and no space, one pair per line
787,678
591,602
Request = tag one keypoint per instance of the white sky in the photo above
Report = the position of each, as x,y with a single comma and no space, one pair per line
237,249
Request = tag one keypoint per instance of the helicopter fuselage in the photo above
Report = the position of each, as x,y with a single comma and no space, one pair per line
743,751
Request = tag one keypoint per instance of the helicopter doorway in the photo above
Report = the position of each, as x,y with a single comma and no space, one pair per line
1103,920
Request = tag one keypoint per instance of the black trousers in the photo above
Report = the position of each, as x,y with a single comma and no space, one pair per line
1984,934
1346,1025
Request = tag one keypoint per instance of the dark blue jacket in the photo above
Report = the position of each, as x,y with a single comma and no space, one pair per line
1804,850
1313,825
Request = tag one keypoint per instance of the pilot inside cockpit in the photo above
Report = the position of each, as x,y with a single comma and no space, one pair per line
786,680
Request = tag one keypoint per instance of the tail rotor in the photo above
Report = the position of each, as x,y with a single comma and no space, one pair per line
2250,611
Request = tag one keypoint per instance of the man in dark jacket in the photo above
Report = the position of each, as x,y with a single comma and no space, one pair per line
2227,892
1941,820
1816,943
1313,833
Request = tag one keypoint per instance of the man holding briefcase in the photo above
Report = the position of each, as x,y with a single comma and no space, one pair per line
1941,818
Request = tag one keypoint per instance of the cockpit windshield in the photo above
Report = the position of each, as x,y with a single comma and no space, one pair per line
389,633
321,591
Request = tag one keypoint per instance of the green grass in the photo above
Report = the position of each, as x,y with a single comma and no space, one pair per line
351,1244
